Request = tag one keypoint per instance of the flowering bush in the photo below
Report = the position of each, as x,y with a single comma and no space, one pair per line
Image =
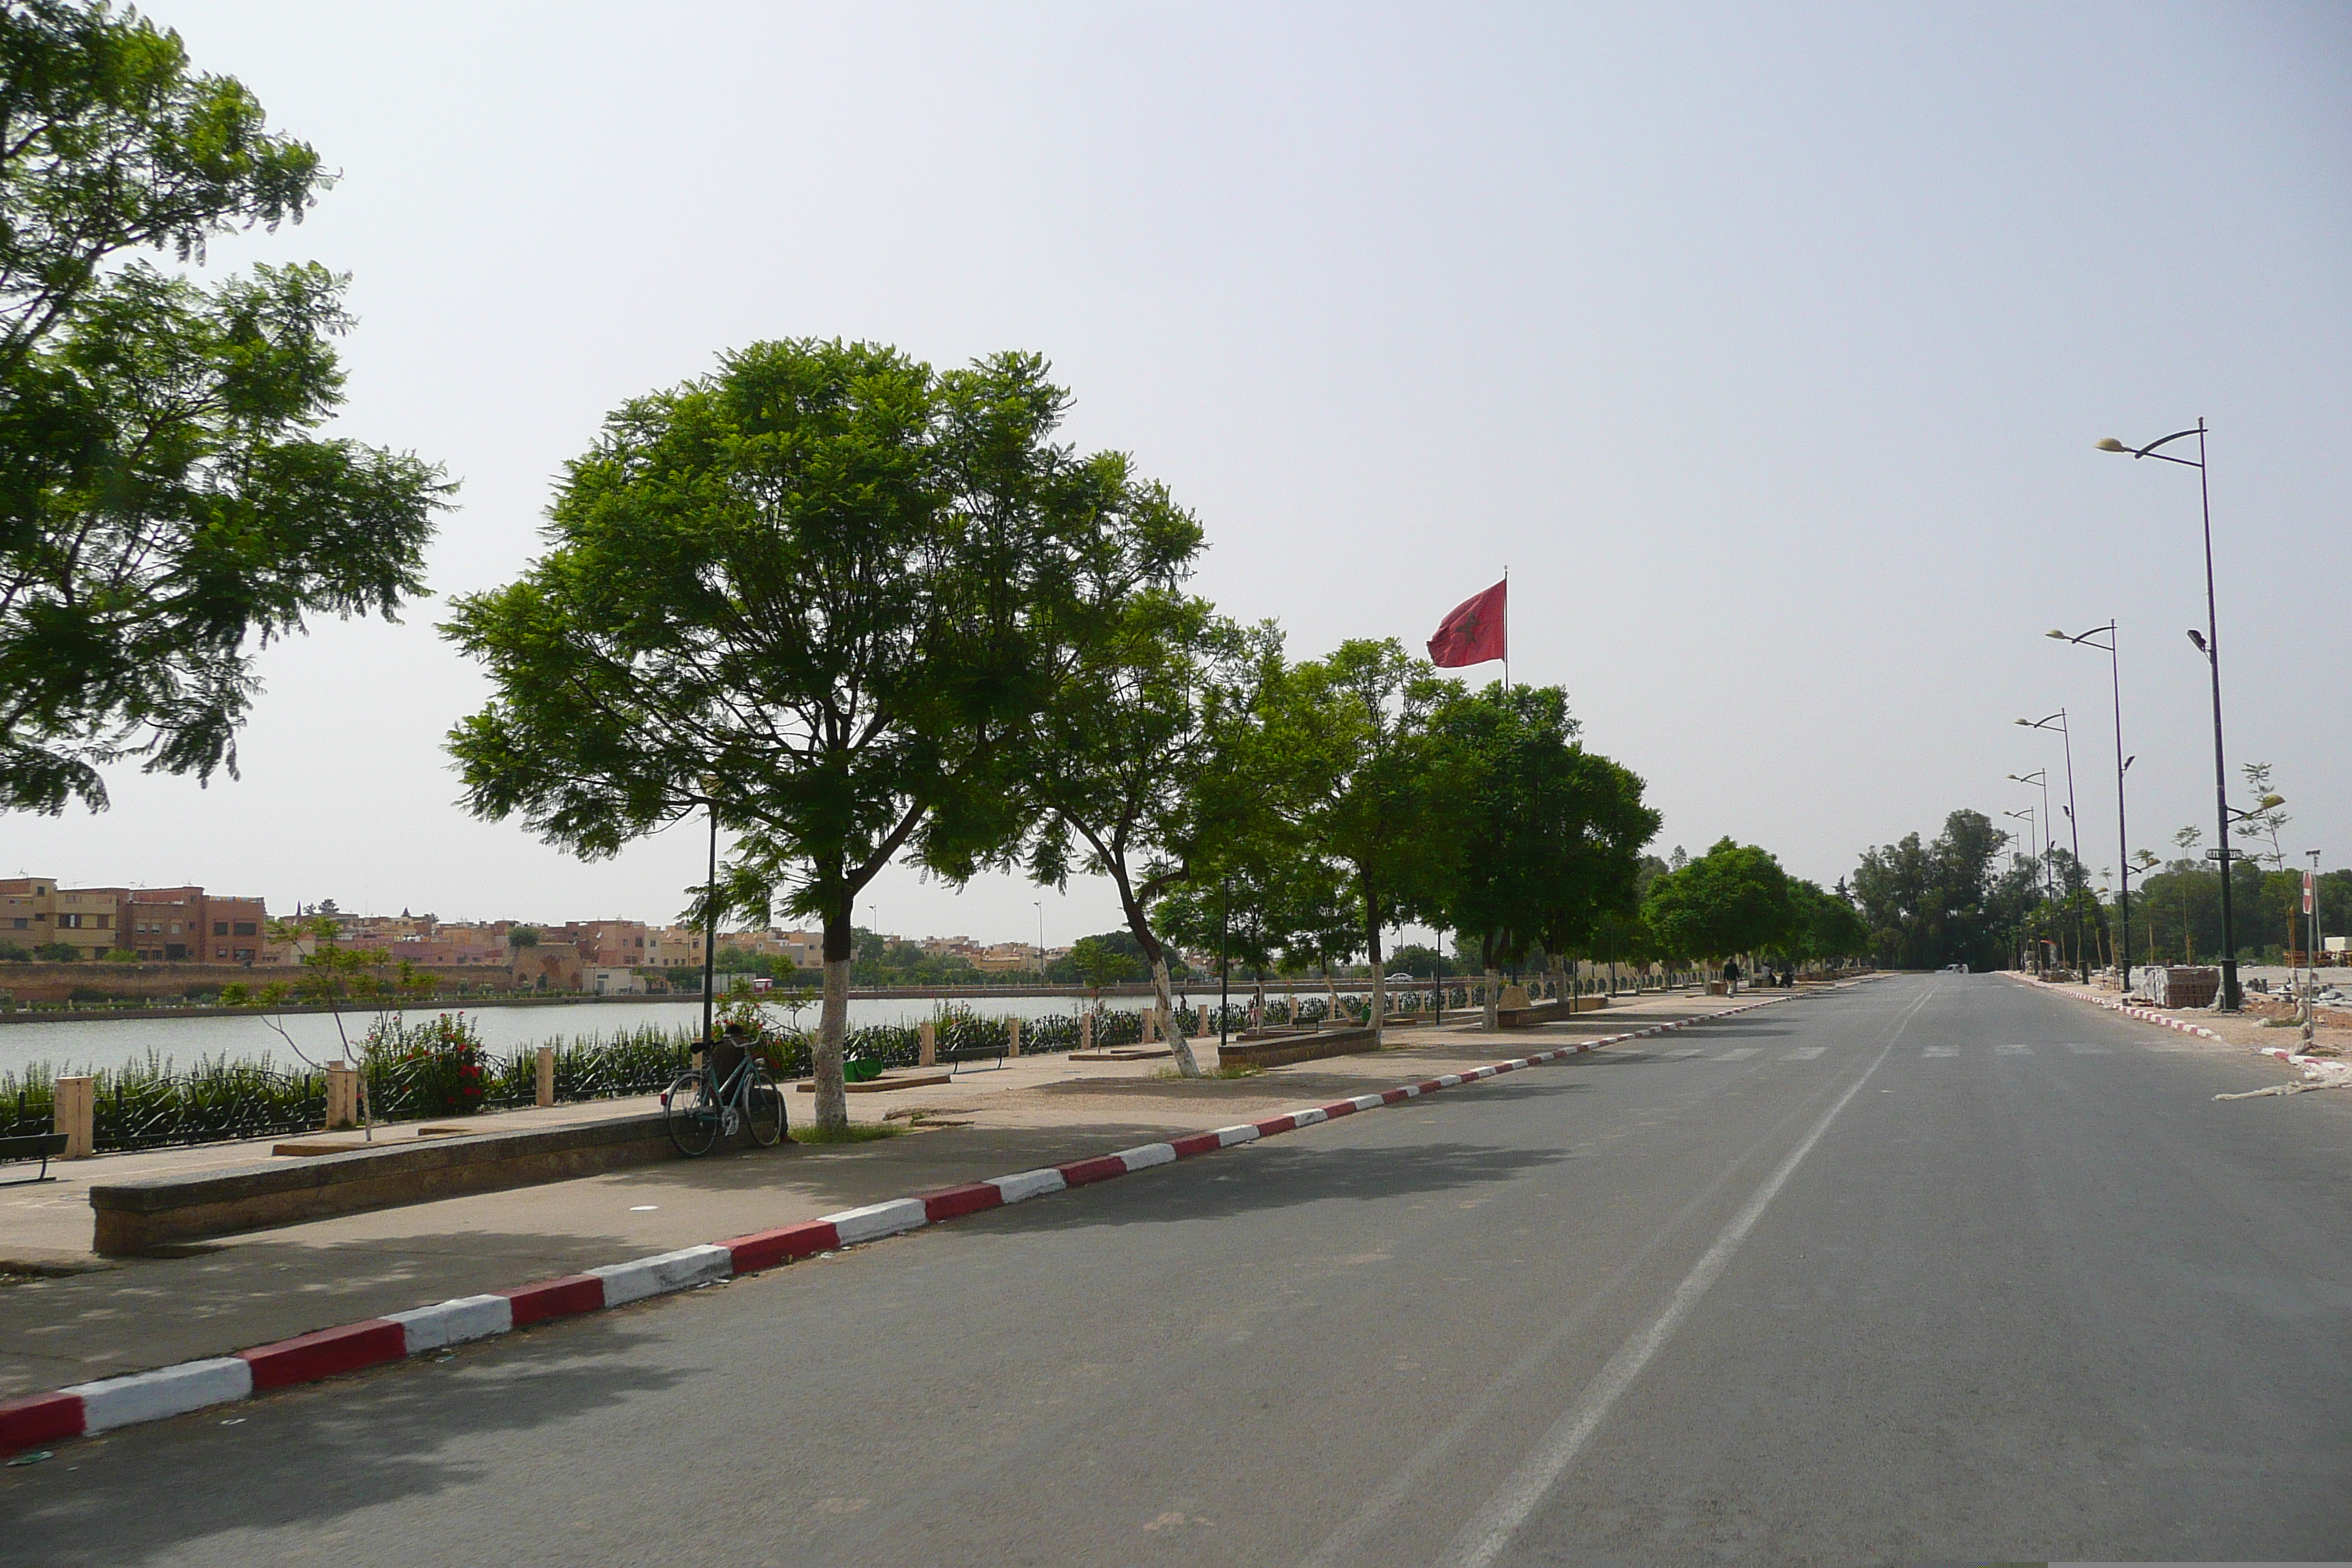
432,1068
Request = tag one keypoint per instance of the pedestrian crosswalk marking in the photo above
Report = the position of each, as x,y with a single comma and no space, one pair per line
1939,1051
1741,1055
2013,1050
2081,1050
1804,1053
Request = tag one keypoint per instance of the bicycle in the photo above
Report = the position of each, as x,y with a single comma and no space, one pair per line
699,1107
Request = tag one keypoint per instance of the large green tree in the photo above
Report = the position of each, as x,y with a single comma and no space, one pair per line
1734,899
1947,901
1120,767
166,504
1367,793
812,592
1550,834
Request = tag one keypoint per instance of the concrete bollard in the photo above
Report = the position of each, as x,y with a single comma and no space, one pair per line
76,1115
930,1036
1204,1030
546,1095
1012,1031
1086,1031
342,1096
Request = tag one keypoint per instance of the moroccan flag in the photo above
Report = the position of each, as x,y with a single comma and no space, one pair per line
1474,633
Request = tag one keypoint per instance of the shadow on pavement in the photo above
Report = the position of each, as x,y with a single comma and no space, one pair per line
313,1454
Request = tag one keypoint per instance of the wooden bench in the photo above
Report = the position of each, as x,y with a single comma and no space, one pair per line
955,1055
41,1146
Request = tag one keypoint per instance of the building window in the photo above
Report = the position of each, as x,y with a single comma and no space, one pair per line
20,923
220,952
220,928
247,928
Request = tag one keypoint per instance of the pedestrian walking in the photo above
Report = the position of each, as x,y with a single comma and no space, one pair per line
1731,978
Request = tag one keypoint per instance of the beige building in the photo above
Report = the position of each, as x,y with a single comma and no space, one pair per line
35,912
677,947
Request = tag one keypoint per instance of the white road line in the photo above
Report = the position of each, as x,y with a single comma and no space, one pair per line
1939,1051
1490,1530
1804,1053
1741,1055
2013,1050
2081,1050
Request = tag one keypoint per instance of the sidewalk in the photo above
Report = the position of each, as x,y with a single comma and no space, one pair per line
2237,1031
212,1298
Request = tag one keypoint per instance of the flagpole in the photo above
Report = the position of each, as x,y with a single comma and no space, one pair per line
1506,625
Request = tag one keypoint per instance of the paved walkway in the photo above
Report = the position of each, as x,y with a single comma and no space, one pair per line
213,1297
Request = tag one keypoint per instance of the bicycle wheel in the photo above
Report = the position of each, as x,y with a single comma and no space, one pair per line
689,1115
765,1101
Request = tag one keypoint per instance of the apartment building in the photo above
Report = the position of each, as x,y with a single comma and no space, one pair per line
187,925
677,947
608,944
36,912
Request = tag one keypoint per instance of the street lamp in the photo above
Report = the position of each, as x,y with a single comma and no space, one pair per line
2123,764
2073,828
1039,905
2026,816
2209,645
2040,776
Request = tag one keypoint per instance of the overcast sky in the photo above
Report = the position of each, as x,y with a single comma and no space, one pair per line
1766,346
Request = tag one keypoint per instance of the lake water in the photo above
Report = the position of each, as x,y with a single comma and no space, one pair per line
108,1044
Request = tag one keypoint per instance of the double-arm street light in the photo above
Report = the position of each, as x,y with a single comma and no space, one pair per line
2209,645
2123,766
2074,829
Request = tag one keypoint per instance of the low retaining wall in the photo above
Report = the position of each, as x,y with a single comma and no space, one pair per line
1281,1050
1549,1012
137,1216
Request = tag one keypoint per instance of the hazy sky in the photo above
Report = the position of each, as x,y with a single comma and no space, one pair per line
1766,346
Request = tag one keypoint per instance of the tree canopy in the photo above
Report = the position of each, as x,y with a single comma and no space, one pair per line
817,592
1734,899
1552,833
166,506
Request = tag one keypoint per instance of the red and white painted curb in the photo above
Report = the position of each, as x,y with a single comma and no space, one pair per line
92,1407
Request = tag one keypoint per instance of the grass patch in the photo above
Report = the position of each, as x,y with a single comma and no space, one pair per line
856,1132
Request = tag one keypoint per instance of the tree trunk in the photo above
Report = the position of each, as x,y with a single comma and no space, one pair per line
833,1024
1372,949
1171,1023
1493,1020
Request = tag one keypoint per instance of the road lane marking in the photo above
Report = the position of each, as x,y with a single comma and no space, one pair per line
1804,1053
2081,1050
1940,1051
1490,1530
1741,1055
2013,1050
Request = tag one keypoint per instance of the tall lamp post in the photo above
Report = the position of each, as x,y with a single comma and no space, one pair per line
2042,776
2123,766
1039,905
2074,830
2209,645
2026,816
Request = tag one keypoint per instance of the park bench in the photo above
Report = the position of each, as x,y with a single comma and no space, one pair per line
955,1056
41,1146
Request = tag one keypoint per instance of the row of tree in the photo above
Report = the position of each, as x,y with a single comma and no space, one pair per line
1969,898
854,609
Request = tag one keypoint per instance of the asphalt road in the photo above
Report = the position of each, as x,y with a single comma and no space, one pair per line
1939,1268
